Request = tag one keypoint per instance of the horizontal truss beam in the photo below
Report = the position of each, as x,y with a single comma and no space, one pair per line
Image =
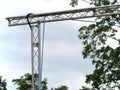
65,15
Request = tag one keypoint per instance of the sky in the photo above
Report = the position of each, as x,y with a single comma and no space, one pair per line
63,62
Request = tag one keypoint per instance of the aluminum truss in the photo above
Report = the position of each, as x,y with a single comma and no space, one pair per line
35,56
66,15
36,19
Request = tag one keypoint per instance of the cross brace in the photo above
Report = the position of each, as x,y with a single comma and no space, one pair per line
36,56
66,15
37,19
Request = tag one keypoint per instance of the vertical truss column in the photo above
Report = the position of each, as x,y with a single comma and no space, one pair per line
35,56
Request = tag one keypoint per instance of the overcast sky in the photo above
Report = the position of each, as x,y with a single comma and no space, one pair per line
63,62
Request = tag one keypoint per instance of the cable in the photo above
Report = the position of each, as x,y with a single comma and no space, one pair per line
98,22
28,15
85,21
42,52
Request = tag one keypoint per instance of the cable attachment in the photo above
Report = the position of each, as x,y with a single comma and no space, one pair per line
27,17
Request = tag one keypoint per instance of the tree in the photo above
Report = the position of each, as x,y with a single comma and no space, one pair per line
62,87
73,3
44,84
3,84
86,88
94,2
105,58
25,82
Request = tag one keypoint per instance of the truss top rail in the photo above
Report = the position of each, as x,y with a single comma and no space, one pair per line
65,15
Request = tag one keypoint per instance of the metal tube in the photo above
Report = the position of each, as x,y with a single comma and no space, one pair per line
32,60
39,57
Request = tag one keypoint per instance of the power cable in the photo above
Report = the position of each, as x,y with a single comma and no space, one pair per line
42,52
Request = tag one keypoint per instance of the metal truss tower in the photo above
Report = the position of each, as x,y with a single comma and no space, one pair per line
37,19
35,55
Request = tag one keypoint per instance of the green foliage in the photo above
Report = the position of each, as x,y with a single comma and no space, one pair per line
44,84
25,82
94,2
86,88
74,3
3,84
106,59
62,87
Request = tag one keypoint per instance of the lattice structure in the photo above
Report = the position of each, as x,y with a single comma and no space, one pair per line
36,19
66,15
35,55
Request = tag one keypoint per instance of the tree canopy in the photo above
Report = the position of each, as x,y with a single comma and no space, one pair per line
3,84
105,58
62,87
25,82
94,2
73,3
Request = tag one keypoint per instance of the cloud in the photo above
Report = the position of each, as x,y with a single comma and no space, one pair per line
63,62
67,77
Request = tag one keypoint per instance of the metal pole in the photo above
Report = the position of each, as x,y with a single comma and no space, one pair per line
39,57
35,55
32,61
